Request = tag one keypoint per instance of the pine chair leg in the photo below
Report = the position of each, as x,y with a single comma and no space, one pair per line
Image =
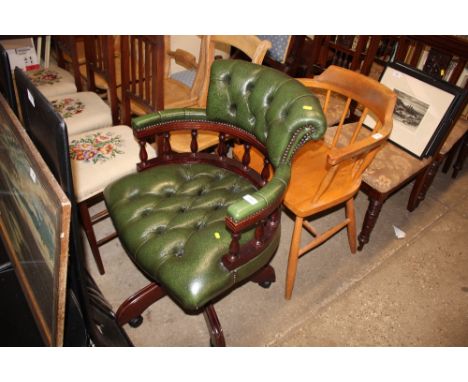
216,331
135,305
293,257
89,231
351,227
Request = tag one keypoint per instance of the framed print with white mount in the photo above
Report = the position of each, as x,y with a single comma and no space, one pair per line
425,108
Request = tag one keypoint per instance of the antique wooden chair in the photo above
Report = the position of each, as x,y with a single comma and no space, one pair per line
70,53
103,69
434,55
199,224
147,85
139,95
97,158
251,46
51,80
328,173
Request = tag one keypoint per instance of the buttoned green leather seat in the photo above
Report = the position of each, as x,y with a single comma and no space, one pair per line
196,223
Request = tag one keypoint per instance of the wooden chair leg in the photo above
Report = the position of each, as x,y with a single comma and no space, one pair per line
293,257
89,231
135,305
351,227
449,157
372,214
461,156
422,184
214,327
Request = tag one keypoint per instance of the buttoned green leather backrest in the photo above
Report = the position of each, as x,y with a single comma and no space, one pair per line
277,109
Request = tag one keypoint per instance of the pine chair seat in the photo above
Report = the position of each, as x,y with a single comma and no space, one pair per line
310,164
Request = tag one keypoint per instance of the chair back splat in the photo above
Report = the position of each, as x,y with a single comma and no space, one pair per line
199,224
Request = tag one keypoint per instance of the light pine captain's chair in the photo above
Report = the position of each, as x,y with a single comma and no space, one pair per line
200,224
328,173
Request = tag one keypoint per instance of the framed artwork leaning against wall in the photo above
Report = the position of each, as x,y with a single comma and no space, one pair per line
34,225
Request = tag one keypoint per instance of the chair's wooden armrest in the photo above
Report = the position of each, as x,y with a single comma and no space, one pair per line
310,83
184,58
337,155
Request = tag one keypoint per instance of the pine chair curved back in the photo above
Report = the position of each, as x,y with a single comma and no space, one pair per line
328,173
200,224
254,48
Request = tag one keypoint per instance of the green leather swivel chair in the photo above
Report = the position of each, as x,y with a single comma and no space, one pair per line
199,224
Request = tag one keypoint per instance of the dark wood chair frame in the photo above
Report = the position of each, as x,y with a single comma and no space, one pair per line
266,223
100,60
447,46
100,50
68,45
142,60
462,149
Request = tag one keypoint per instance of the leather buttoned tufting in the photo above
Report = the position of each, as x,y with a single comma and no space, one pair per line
266,103
175,223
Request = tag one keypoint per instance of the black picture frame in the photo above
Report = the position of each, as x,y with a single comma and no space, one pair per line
425,110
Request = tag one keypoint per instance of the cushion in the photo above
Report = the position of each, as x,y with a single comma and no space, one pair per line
101,156
82,111
187,77
335,107
458,131
171,220
279,46
52,81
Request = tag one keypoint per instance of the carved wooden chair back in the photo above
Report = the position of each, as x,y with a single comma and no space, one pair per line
142,60
103,68
71,56
350,52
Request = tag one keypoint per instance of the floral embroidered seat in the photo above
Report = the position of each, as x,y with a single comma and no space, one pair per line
82,111
97,157
52,81
101,156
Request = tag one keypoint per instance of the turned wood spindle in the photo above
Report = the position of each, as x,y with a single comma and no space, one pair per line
222,145
143,153
194,142
260,232
234,247
166,145
246,156
266,170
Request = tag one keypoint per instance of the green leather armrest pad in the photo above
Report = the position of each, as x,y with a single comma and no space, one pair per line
251,204
169,115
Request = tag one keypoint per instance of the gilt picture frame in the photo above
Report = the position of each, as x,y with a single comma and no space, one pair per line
424,111
34,225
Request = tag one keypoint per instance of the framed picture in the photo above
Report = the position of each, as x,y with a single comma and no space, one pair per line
424,111
34,225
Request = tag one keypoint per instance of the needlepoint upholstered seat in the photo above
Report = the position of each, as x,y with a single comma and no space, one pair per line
199,224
